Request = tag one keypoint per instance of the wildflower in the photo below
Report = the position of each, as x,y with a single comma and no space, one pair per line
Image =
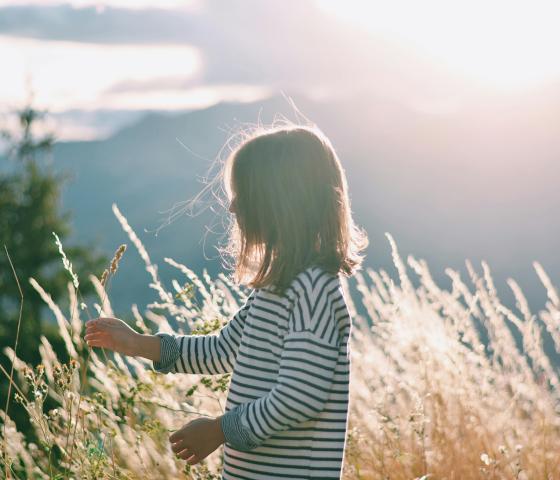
518,447
59,374
83,306
28,374
19,399
502,449
67,264
486,459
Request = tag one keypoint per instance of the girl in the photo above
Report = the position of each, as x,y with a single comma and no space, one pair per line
288,346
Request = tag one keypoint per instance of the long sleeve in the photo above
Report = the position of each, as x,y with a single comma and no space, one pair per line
307,367
203,354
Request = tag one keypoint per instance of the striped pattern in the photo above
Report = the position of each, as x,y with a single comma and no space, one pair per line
287,406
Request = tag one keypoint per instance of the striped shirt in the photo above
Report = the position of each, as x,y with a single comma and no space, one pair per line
287,406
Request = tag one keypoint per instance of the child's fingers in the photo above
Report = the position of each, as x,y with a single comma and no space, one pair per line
193,460
93,330
93,321
97,324
99,321
175,437
186,454
96,337
91,326
178,446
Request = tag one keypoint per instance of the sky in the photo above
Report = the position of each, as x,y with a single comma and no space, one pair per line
96,64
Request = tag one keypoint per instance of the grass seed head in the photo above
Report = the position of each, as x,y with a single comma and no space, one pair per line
116,259
67,264
104,276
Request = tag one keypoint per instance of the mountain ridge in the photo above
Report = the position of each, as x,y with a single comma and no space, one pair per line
446,186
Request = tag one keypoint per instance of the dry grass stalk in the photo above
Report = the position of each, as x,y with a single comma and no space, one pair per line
440,386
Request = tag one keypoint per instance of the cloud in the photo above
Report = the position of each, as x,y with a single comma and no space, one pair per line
70,75
280,44
84,57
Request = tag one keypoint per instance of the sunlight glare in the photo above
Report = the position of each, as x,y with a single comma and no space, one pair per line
508,45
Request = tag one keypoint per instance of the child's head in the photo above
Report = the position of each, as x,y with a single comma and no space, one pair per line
289,194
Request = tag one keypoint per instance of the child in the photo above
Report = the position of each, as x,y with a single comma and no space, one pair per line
288,346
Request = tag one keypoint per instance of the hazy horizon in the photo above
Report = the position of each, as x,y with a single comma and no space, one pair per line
447,116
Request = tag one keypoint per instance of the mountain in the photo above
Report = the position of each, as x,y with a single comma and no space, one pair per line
477,181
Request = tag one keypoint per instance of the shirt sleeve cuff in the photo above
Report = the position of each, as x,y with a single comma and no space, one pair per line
169,353
235,433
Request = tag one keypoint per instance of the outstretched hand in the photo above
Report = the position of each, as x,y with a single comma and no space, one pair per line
112,333
197,439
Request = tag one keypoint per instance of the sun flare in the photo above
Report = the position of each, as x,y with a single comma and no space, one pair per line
508,45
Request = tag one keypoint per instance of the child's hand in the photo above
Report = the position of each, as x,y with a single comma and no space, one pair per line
112,333
197,439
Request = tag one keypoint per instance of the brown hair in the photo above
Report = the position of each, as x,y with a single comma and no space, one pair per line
292,209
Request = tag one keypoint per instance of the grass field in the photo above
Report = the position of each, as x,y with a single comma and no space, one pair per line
444,384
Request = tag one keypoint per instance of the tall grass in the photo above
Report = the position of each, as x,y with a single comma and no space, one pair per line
444,384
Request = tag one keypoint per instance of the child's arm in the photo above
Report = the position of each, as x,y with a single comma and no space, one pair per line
205,354
305,376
